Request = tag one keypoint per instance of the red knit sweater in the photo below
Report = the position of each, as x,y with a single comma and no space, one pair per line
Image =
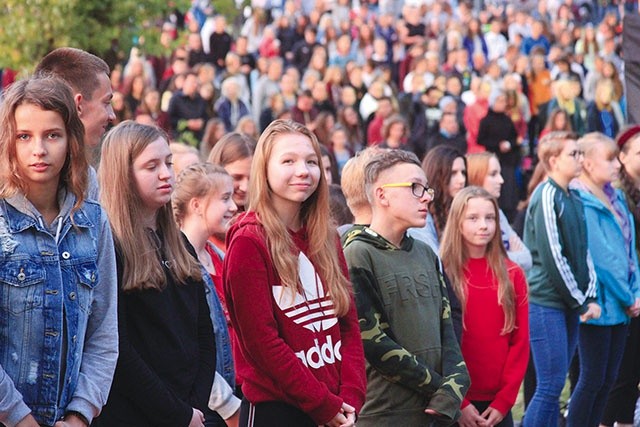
496,363
292,350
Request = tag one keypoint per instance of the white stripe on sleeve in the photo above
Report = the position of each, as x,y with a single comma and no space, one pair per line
548,201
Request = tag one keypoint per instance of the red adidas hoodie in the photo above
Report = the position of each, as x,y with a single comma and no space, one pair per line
291,349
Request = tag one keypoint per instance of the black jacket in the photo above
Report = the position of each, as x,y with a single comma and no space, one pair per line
167,359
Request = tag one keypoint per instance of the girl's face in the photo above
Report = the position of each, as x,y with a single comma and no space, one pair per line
220,131
339,141
608,70
326,169
293,171
396,131
478,226
219,209
152,99
41,146
240,171
249,128
560,121
458,177
153,175
500,104
351,117
138,85
493,180
602,165
631,158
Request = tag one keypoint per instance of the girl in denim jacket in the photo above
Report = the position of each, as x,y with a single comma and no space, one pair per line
58,336
203,206
167,355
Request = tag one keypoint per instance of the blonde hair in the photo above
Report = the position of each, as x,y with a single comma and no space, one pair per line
200,180
314,213
477,167
352,179
454,255
142,267
590,141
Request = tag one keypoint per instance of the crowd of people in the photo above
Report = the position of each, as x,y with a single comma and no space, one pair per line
382,212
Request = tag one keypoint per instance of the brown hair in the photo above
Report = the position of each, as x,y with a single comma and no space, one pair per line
232,147
437,165
50,94
142,268
78,68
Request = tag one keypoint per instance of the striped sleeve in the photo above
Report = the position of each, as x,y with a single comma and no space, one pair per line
591,289
562,275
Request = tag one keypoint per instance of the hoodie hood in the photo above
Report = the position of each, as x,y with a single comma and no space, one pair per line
249,222
367,235
20,202
243,220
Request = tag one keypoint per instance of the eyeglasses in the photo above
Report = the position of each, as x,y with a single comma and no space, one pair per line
576,154
417,189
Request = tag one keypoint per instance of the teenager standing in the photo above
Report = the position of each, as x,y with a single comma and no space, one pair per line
300,355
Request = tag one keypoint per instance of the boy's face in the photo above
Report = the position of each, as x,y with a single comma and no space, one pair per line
399,202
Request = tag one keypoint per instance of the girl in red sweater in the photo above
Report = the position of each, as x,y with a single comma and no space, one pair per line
493,293
299,354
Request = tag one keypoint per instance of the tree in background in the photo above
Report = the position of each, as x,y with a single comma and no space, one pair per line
29,29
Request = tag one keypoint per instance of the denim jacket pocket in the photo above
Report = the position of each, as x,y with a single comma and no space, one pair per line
87,275
22,285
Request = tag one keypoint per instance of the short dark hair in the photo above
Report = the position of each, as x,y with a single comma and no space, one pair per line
78,68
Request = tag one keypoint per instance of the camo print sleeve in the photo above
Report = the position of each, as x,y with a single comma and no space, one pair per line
396,363
381,350
456,381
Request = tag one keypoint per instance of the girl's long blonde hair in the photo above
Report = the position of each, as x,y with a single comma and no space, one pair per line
455,255
314,213
142,267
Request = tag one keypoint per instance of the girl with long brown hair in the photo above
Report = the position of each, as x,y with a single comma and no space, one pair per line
299,347
58,345
167,355
446,170
493,293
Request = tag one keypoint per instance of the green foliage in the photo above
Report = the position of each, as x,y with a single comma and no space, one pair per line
29,29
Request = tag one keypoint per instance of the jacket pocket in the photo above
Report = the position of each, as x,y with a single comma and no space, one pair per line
87,276
22,283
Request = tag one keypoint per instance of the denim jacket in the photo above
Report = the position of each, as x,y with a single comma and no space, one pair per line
58,324
224,357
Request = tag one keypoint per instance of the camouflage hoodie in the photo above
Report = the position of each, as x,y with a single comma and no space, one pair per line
413,358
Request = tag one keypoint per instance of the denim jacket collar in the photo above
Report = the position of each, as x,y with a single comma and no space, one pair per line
32,218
